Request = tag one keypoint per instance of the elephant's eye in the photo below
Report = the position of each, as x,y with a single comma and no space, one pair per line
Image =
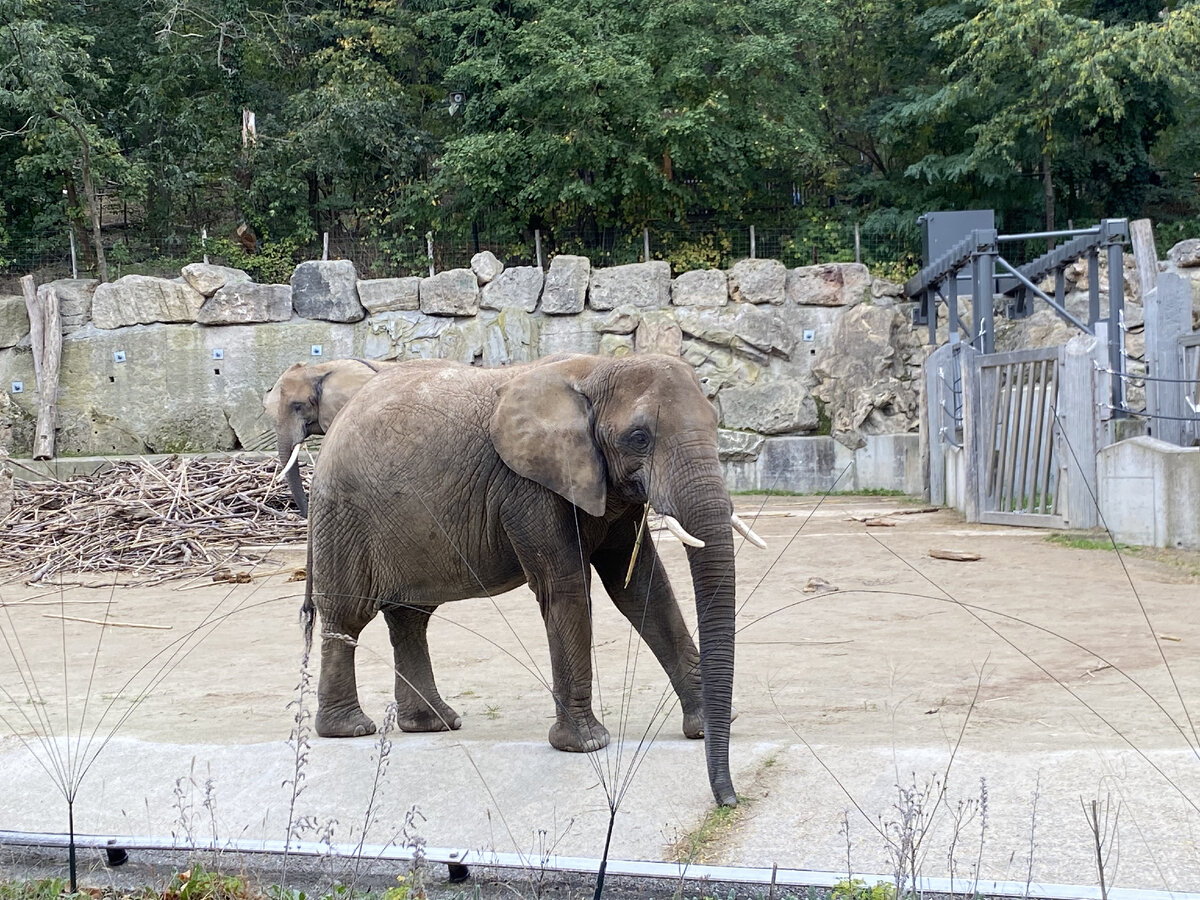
638,440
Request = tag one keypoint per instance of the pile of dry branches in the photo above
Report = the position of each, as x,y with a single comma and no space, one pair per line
176,517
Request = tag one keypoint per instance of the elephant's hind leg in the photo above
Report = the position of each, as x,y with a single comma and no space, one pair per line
419,707
338,711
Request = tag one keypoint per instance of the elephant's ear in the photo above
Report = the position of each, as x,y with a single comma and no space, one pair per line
542,430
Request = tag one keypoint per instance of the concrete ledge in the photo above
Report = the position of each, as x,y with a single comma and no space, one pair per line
1150,492
814,465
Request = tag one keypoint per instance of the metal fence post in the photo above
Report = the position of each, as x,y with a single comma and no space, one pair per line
537,247
1113,231
429,251
857,245
983,285
645,243
752,247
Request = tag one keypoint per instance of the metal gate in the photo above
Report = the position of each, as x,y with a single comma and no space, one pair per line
1018,455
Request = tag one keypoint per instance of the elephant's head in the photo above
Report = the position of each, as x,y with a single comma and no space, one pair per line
293,405
606,434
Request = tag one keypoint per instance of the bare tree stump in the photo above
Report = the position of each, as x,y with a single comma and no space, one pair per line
45,337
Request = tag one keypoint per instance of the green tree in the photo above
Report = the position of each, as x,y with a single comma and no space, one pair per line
48,76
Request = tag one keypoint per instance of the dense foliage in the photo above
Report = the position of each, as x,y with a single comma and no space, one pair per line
378,121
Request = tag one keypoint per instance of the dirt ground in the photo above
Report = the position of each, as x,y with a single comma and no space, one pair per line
970,711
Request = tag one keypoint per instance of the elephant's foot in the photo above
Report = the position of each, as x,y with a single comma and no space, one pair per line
693,723
343,723
426,719
577,737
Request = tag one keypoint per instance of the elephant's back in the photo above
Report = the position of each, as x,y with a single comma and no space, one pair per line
409,468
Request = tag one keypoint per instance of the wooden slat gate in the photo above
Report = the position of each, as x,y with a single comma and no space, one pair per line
1018,439
1012,438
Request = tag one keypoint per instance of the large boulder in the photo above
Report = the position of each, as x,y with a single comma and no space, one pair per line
143,300
208,279
327,290
700,287
1185,254
658,333
832,284
772,407
247,303
486,267
74,300
644,285
517,288
758,281
454,292
863,375
566,285
379,295
14,320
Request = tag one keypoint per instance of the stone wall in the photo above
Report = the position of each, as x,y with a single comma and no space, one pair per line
159,365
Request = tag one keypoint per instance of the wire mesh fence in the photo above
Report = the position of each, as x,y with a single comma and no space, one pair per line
686,245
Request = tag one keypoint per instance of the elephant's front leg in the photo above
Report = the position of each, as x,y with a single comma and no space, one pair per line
567,615
419,707
649,604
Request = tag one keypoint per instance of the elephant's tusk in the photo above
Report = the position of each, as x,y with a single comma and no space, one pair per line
747,532
676,529
291,461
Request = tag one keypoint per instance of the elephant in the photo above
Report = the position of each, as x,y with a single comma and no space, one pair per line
304,402
553,466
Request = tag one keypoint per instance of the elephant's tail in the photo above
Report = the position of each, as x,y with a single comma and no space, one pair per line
308,609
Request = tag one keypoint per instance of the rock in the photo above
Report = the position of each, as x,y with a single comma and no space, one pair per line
774,407
517,288
74,301
616,345
758,281
1044,328
142,300
701,287
831,284
486,267
454,292
379,295
192,429
403,334
738,446
619,321
881,287
327,290
717,367
642,285
863,378
14,320
754,331
658,334
569,334
1185,254
566,285
246,303
209,279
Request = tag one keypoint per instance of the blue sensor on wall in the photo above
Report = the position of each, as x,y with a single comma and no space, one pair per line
316,349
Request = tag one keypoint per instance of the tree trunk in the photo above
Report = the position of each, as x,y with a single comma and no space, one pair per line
1048,187
45,338
89,193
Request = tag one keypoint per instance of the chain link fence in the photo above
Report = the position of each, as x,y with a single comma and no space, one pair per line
688,245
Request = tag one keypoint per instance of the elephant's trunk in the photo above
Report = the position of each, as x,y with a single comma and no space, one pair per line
707,517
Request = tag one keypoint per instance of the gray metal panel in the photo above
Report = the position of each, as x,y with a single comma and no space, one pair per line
941,231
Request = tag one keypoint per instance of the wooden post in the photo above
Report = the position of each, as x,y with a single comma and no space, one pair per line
1078,419
204,242
968,362
1145,255
325,247
857,244
753,248
645,244
45,338
537,247
1168,316
429,251
74,259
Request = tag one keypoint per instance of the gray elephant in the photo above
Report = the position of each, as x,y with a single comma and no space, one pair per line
304,401
451,481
